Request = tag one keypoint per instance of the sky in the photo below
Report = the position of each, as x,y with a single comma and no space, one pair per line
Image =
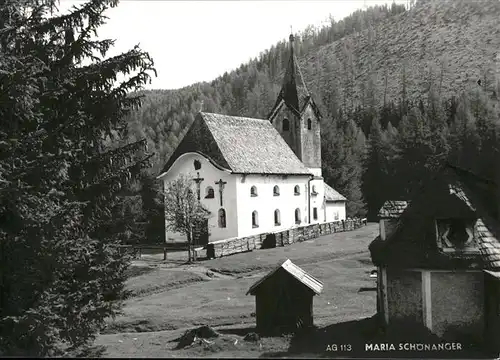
194,41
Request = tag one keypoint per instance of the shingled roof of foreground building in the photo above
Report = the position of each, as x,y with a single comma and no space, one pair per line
239,145
452,191
392,209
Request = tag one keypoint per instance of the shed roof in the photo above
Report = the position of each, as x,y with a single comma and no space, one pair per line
392,209
306,279
240,145
332,195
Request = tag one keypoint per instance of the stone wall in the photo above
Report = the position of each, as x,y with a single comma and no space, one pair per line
282,238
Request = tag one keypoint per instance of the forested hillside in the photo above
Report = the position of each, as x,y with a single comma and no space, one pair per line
401,92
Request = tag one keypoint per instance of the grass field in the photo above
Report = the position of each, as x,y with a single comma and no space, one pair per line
169,298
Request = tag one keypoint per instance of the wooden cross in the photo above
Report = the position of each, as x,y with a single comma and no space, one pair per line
221,188
198,181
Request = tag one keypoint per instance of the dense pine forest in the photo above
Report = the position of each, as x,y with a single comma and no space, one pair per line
402,91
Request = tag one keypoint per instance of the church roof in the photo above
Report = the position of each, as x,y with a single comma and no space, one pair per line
299,274
452,193
240,145
332,195
294,93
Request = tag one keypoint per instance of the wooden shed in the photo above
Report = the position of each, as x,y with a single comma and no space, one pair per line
284,299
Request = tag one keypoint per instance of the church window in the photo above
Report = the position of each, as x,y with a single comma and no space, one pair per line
336,215
222,218
315,213
277,217
209,193
253,191
286,124
197,165
314,192
296,190
309,124
297,216
255,219
276,190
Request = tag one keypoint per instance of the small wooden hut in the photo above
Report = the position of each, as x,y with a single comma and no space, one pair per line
284,299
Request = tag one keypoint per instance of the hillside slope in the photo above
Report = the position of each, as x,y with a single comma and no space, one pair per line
443,46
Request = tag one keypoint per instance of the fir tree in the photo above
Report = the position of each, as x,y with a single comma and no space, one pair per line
61,271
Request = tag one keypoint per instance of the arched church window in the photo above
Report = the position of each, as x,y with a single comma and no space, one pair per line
276,190
277,217
253,191
296,190
297,216
309,124
314,192
255,219
222,218
209,193
286,124
197,164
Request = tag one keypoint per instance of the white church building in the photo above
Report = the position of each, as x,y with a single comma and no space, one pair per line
258,175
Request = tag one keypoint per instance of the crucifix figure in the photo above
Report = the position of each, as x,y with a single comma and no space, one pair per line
198,181
221,188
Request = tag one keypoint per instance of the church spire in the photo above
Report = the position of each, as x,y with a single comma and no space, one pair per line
293,90
296,116
289,91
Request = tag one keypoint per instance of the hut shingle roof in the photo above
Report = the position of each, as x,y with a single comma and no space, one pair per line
306,279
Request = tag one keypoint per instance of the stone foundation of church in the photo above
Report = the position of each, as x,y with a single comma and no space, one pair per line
282,238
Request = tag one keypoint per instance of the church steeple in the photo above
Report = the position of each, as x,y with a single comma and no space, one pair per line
296,116
289,91
293,90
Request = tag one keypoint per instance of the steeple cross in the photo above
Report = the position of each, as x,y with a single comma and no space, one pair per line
198,181
221,188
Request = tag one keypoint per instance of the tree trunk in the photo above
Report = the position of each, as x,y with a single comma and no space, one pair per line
191,247
189,239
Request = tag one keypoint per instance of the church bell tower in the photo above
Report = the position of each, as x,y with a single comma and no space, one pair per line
296,116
